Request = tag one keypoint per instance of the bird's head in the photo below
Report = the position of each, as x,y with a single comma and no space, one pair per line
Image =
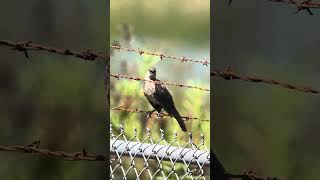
152,73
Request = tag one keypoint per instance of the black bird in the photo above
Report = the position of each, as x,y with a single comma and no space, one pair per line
159,97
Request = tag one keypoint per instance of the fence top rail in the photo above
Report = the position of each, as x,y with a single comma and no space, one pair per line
163,152
159,157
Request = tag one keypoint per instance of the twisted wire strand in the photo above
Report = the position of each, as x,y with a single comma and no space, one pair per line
160,55
118,76
186,118
228,74
305,5
26,46
250,175
34,149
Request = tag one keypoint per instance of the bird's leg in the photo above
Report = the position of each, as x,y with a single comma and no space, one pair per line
149,113
159,114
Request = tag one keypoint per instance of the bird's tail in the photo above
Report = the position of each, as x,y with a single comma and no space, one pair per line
177,116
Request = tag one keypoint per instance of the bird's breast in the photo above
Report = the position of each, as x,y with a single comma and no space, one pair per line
149,88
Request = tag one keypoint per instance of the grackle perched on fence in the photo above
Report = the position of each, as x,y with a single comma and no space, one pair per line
159,97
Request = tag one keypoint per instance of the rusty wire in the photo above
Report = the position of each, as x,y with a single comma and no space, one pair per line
162,56
228,74
186,118
34,149
306,5
26,46
249,175
118,76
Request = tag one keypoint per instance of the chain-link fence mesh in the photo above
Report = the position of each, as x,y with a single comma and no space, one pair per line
132,158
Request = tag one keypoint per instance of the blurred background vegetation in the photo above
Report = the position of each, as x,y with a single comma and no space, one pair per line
55,99
178,28
270,130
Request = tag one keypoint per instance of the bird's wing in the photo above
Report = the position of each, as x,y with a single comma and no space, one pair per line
164,97
153,104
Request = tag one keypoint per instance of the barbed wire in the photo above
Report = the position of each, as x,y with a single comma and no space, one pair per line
26,46
249,175
186,118
305,5
228,74
118,76
181,59
34,149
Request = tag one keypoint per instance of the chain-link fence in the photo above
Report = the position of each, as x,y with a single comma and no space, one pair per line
132,158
